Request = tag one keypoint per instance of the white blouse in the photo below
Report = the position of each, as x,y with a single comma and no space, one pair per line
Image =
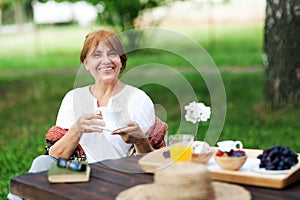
130,104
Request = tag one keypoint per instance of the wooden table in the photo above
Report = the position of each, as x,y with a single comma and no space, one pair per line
107,183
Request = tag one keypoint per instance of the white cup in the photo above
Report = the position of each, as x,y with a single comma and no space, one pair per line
111,118
229,145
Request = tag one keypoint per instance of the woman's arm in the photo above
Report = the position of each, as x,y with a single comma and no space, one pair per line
66,145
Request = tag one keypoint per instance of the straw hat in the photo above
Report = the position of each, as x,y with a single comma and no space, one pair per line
184,181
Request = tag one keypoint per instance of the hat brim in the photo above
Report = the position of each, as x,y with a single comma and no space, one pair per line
223,191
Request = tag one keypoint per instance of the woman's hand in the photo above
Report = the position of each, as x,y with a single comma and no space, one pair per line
89,123
133,134
66,145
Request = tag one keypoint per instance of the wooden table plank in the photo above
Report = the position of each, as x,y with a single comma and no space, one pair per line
36,186
106,183
122,179
260,193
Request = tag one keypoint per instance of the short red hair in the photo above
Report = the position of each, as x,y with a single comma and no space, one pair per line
93,39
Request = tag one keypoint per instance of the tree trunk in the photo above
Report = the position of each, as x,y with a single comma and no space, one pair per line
19,16
0,16
282,52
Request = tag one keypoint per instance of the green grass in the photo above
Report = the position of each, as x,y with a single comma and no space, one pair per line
59,47
34,79
46,47
229,45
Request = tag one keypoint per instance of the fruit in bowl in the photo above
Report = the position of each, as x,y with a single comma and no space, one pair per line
202,152
232,160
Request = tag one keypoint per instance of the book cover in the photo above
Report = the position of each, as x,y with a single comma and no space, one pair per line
64,175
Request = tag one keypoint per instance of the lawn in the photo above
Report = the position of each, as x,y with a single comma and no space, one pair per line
59,47
33,83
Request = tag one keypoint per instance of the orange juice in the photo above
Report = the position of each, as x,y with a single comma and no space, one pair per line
181,152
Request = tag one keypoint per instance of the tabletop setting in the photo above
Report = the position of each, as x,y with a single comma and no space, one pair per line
228,163
186,168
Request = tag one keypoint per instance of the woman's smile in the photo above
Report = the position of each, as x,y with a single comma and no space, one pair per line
106,69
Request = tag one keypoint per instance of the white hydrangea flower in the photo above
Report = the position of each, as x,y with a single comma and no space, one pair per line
197,112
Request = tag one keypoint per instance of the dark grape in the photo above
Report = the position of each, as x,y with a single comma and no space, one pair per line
277,158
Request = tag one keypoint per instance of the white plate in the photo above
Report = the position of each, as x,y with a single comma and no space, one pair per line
271,172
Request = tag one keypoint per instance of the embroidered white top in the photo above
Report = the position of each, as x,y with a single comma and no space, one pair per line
131,104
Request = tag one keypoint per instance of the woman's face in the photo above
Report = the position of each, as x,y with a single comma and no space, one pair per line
103,63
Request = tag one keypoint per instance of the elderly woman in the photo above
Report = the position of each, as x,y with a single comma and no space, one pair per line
81,127
104,57
80,131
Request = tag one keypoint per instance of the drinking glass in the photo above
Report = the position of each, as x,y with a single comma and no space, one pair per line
181,147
